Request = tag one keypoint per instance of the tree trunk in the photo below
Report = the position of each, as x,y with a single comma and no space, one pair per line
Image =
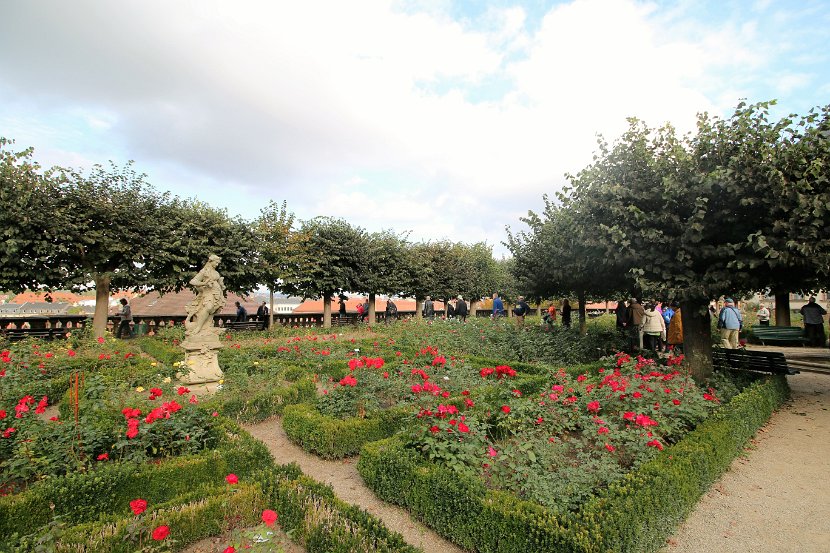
583,313
697,337
327,311
102,305
271,310
371,310
782,309
473,308
419,307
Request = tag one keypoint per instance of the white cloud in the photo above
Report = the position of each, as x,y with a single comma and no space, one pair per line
337,105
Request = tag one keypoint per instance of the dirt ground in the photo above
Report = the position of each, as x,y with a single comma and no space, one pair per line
775,498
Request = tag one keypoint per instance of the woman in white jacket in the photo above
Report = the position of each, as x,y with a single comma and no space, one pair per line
654,327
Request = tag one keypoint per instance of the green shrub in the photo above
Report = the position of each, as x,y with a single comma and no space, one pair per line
252,399
83,496
323,523
333,438
634,514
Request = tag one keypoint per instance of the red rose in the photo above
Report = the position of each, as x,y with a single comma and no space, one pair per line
161,532
505,408
138,506
229,549
103,457
269,517
232,479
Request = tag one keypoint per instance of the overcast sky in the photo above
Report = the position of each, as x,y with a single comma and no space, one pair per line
448,119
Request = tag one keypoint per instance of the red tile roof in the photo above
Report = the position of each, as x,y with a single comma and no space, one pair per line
316,306
153,304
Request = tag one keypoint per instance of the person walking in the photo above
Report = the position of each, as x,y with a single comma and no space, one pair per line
813,315
461,308
429,308
566,313
498,306
126,315
241,313
763,315
730,323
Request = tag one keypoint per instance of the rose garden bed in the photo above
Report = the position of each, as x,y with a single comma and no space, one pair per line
525,450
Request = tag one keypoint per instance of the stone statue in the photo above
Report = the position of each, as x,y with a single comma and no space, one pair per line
201,343
210,297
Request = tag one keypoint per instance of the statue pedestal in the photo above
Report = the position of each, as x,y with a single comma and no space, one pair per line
200,358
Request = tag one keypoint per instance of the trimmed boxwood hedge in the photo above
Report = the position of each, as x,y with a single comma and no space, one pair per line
83,497
264,403
323,523
333,438
634,515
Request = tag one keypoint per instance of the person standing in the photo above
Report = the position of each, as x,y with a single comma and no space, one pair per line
241,313
634,324
461,309
429,308
126,315
341,312
262,312
498,306
551,314
620,312
566,313
763,315
730,323
654,327
813,315
391,311
521,309
675,334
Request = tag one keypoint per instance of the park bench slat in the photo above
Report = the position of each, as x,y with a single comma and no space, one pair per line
247,325
16,334
779,334
761,361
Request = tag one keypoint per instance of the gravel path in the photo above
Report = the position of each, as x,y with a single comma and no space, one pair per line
342,475
776,498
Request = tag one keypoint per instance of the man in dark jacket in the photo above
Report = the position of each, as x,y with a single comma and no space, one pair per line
429,308
241,313
521,309
461,309
813,315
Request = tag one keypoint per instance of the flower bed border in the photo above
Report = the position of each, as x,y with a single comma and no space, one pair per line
333,438
82,497
634,515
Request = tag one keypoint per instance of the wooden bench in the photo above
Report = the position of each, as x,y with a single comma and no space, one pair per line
247,325
15,334
345,320
779,334
762,361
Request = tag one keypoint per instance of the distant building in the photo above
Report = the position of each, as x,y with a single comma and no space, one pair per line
33,308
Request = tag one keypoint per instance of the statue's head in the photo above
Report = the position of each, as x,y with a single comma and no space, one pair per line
215,259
